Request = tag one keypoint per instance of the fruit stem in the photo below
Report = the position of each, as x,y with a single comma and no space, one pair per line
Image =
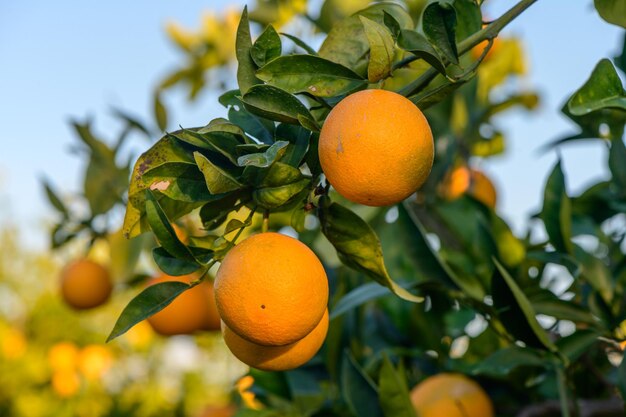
487,33
266,221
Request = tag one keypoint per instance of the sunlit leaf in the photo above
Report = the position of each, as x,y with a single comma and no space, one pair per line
266,47
602,90
246,69
274,103
394,392
382,49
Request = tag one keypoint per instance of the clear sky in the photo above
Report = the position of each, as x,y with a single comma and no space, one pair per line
67,59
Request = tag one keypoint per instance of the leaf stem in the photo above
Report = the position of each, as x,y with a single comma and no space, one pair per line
562,385
487,33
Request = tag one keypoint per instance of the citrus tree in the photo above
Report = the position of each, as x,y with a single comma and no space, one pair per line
401,290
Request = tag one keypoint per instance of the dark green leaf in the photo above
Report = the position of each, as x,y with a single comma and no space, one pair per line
596,273
620,60
617,164
576,344
310,74
54,199
558,258
357,389
171,265
163,230
298,139
217,180
392,24
418,45
266,47
359,296
516,311
275,197
179,181
602,90
243,46
501,363
264,159
357,245
382,49
469,18
557,211
613,11
439,24
214,213
300,43
150,301
276,104
393,392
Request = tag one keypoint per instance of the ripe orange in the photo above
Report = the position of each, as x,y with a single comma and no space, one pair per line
277,358
471,181
85,284
450,395
191,311
65,383
63,356
376,148
94,361
271,289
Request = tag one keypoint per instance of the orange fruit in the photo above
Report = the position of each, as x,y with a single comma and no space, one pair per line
450,395
85,284
94,361
277,358
65,382
63,356
191,311
376,148
271,289
471,181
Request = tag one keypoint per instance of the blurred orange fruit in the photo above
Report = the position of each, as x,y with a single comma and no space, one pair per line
277,358
191,311
13,344
477,51
94,361
463,180
450,395
271,289
219,411
85,284
65,382
376,148
63,356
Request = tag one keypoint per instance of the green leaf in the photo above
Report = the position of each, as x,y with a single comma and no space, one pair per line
54,199
596,273
576,344
558,258
160,112
261,129
613,11
516,311
132,123
310,74
243,46
620,60
358,246
439,24
557,211
501,363
276,104
179,181
382,49
266,47
264,159
347,44
217,180
428,261
163,230
562,309
172,265
418,45
150,301
393,392
392,24
357,389
617,158
275,197
469,18
299,141
299,42
214,213
359,296
602,90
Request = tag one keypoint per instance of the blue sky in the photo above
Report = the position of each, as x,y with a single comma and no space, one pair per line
73,59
